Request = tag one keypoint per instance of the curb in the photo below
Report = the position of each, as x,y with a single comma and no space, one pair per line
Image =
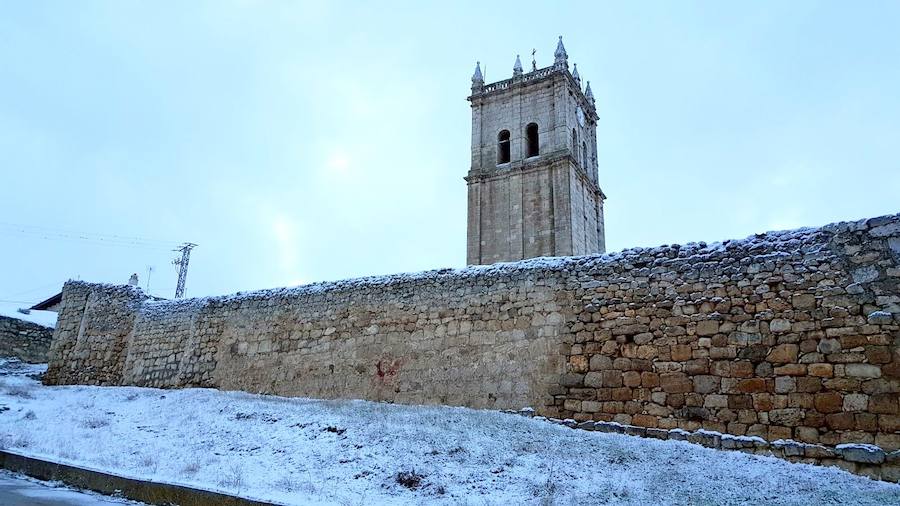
861,459
148,492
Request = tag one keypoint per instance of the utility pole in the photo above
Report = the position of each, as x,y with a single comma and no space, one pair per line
182,264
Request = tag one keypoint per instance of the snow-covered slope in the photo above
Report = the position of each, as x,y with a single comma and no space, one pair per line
300,451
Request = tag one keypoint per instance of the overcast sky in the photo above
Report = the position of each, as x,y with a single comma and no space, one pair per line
298,142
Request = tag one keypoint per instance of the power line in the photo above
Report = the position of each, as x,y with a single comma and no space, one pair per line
116,236
87,240
23,292
57,234
67,235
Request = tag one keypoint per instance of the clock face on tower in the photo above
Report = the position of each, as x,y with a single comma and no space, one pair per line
580,114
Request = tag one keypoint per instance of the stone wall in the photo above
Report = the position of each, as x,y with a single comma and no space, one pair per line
24,340
782,335
482,338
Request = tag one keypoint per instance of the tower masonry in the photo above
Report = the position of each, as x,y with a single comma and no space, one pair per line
532,185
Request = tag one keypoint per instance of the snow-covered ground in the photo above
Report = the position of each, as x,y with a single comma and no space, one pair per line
300,451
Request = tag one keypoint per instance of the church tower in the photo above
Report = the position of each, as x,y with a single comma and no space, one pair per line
533,187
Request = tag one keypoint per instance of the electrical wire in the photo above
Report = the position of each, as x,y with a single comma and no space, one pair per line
71,236
42,287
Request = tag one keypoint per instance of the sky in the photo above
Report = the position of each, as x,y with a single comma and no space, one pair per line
298,141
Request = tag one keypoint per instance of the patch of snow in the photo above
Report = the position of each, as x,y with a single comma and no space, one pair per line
45,318
302,451
745,439
858,446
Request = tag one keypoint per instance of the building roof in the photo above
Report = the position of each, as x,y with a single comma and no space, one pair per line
47,304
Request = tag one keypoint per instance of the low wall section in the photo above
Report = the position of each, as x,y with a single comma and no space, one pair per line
782,335
482,338
24,340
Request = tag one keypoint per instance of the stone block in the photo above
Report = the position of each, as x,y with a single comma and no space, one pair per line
788,416
863,370
855,402
820,370
590,406
657,433
696,366
861,453
644,420
829,402
791,370
572,380
880,318
610,427
612,379
680,352
783,354
828,346
785,384
705,384
707,327
593,379
631,378
649,379
675,383
840,421
751,385
889,424
780,325
886,230
878,354
578,363
600,363
741,369
885,403
804,301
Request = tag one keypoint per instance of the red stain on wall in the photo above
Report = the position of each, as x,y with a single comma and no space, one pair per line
387,369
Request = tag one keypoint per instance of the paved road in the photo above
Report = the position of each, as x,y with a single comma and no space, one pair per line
17,491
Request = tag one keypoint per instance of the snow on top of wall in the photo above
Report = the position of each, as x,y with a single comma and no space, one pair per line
759,247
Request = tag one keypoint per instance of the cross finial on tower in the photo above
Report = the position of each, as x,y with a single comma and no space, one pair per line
561,58
517,68
533,61
477,77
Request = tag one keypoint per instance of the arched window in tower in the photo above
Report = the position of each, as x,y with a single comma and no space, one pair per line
503,147
531,134
574,144
584,156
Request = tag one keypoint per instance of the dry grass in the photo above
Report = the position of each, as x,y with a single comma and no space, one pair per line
94,422
233,478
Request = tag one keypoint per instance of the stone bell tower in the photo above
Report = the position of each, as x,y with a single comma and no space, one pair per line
533,187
